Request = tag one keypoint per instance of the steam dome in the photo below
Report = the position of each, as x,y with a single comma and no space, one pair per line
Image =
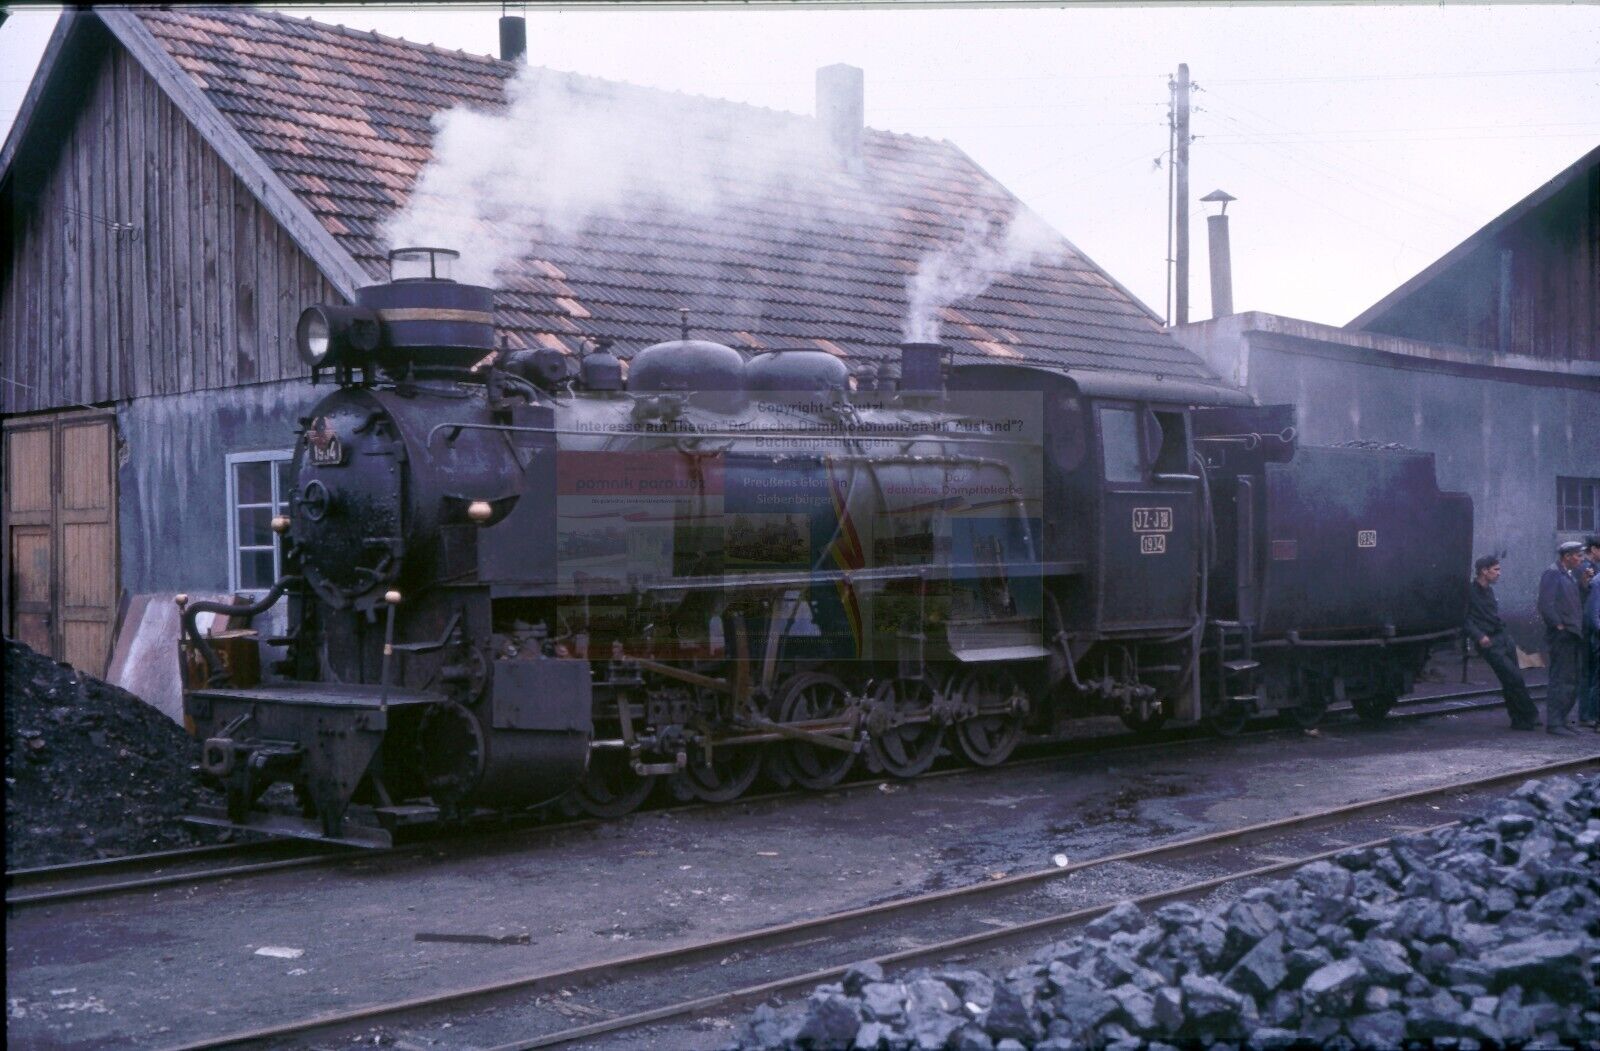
711,374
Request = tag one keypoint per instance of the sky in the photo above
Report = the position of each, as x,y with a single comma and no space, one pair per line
1362,142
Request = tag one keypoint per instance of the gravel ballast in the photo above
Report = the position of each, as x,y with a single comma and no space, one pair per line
91,770
1483,933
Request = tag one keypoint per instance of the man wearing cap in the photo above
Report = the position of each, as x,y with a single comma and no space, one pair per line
1562,612
1488,634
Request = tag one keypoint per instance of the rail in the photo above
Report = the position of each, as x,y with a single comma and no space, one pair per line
833,932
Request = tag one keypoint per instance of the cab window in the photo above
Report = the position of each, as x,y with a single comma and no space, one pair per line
1119,437
1170,440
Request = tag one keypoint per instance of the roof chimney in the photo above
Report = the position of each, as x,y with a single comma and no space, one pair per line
513,38
841,111
1221,254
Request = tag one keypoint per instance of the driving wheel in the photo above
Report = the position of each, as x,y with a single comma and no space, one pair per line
808,697
989,737
910,746
728,775
610,787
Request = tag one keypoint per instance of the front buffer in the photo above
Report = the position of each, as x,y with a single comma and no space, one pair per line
364,760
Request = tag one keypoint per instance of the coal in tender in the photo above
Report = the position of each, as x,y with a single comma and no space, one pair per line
1483,934
91,770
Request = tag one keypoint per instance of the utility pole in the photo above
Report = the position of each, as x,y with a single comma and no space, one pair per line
1180,173
1172,102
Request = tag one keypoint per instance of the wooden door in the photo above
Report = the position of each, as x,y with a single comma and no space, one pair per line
30,547
60,525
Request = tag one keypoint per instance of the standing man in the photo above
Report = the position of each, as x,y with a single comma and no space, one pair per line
1488,634
1562,612
1589,691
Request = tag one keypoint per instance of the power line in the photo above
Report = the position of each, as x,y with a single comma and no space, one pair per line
1364,165
1451,75
1387,235
1346,177
1443,127
1425,138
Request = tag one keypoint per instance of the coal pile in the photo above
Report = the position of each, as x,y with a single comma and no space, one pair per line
1481,934
91,770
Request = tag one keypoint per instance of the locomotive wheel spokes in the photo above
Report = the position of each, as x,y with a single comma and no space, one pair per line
989,738
731,771
808,697
910,747
610,788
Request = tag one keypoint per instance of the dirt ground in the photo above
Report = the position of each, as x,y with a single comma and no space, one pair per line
183,963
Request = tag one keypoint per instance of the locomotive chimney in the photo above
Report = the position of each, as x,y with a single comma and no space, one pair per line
922,369
841,111
513,37
1221,257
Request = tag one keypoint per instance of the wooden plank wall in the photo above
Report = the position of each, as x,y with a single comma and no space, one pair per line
140,264
1555,285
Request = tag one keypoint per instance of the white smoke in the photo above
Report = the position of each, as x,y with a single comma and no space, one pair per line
568,150
991,244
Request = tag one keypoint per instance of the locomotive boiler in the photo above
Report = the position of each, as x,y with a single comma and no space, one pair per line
517,577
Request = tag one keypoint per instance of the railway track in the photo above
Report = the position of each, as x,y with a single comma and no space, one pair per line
728,972
58,884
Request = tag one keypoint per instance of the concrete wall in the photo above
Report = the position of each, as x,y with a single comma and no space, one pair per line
172,502
1502,435
172,483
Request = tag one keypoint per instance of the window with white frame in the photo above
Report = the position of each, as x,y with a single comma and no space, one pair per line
1577,505
258,489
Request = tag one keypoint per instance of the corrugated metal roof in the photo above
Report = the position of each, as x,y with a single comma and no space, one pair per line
344,118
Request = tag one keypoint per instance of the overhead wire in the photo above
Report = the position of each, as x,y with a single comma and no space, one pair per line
1386,193
1366,165
1386,234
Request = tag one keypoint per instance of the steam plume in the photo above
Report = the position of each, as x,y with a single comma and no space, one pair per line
989,246
568,150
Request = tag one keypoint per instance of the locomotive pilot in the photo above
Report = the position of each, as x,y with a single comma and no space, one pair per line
1489,636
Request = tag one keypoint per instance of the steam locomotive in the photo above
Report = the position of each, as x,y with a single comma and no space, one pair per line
520,577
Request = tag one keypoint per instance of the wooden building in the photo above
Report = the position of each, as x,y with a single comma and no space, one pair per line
181,183
1527,284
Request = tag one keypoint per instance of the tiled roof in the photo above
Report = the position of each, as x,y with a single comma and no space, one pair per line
344,117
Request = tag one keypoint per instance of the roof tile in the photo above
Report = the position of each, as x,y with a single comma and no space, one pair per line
346,118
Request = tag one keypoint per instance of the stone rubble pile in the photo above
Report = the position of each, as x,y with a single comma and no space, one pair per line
1486,932
91,770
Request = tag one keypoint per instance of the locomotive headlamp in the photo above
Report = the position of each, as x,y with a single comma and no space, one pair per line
334,335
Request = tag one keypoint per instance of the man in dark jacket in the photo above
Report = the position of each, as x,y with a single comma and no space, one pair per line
1562,612
1488,635
1589,691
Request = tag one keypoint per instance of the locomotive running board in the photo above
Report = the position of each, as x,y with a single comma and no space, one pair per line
284,826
